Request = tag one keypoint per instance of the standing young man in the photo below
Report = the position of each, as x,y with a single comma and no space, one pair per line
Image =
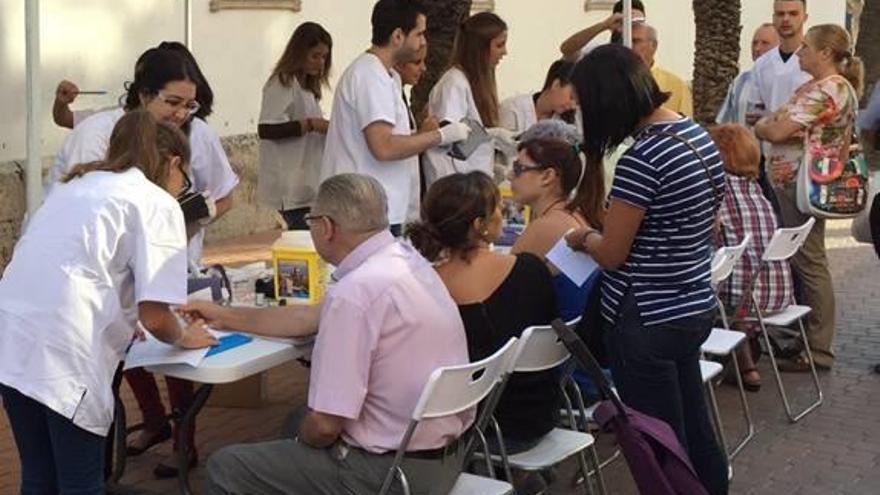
369,126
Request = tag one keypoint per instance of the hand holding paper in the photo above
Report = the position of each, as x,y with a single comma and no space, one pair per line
577,266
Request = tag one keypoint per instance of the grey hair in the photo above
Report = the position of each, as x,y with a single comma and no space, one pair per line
651,30
356,203
552,129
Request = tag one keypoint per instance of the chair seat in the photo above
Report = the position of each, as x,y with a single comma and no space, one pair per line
555,447
709,370
787,316
722,342
469,484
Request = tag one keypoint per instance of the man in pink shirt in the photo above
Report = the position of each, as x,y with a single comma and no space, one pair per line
385,325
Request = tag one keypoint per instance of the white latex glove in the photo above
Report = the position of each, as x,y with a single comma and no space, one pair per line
212,210
504,140
453,133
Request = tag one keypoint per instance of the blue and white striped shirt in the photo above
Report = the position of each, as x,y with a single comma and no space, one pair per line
668,267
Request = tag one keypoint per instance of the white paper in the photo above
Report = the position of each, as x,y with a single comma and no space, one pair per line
152,352
576,265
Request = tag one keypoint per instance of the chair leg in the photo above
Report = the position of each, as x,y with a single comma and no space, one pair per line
585,468
594,457
747,414
792,417
716,416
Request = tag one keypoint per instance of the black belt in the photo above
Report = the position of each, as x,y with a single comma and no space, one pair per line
430,454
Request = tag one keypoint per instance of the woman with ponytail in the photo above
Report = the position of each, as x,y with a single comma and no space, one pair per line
105,250
563,194
498,295
819,118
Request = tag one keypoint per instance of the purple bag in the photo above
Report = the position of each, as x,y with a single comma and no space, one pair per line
656,459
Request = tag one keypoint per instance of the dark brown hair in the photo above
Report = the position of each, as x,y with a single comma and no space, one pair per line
471,55
448,212
587,180
739,149
138,141
306,36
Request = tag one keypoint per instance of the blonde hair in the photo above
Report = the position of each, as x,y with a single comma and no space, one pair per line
836,39
138,141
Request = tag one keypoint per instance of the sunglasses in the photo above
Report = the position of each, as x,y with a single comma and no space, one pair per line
520,168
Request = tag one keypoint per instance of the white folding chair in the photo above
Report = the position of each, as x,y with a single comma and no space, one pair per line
452,390
783,245
539,349
723,342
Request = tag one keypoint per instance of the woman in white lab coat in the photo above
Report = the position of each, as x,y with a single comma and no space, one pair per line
165,84
468,90
106,249
292,125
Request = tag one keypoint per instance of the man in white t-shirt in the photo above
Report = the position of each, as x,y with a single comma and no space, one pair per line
584,41
369,126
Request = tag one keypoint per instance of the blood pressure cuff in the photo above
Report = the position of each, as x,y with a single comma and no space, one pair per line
194,205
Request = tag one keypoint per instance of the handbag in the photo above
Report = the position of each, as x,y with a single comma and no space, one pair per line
834,188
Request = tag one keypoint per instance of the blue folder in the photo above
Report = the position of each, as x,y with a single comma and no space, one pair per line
229,342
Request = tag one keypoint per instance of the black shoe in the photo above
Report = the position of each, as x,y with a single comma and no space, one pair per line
163,471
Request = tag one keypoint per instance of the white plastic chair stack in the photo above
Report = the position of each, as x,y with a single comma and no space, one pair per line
724,341
784,244
451,390
539,349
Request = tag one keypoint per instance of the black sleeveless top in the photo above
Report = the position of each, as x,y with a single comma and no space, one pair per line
529,406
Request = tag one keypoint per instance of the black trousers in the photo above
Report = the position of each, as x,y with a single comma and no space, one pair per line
657,371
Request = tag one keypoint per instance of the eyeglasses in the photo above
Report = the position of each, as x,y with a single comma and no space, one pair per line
311,218
520,168
176,102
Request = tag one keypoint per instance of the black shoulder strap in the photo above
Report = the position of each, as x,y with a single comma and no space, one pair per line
715,192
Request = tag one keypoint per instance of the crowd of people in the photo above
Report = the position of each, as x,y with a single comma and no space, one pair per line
406,206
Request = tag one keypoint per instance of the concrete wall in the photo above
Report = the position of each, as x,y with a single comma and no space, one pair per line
95,43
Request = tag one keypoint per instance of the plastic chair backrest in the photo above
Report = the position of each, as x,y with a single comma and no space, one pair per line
726,258
786,242
539,349
453,389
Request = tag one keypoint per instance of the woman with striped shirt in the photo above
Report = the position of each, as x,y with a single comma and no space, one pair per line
656,247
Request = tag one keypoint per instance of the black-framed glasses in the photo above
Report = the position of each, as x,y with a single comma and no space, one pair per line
187,183
520,168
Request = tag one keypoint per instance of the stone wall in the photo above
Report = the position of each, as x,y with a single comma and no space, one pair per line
245,217
12,208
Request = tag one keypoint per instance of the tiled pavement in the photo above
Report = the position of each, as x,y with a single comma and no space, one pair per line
835,450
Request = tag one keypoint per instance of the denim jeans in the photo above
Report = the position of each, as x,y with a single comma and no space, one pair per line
56,455
657,371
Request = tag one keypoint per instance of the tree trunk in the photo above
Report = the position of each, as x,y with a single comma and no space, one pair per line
444,17
868,45
868,48
716,58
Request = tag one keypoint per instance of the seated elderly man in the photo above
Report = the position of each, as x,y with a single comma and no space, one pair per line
385,325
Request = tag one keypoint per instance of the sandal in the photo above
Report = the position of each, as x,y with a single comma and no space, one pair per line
752,385
797,364
157,438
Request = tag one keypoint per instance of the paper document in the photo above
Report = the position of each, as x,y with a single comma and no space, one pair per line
152,352
577,266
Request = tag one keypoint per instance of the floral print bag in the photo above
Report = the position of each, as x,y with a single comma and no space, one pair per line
832,180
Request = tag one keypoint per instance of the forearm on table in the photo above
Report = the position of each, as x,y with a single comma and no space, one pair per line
281,321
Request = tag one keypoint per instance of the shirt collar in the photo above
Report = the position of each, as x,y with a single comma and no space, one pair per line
363,252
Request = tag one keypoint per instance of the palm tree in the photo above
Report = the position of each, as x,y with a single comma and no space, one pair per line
716,56
444,17
868,48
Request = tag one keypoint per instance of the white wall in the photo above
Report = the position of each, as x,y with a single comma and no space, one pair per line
95,44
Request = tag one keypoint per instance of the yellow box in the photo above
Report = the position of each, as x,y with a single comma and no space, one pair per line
516,217
300,274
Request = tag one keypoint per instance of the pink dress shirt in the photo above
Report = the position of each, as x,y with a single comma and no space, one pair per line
386,325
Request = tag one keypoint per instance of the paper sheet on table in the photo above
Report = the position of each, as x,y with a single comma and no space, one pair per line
577,266
152,352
